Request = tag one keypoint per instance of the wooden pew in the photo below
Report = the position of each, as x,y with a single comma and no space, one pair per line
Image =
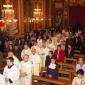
70,61
64,75
67,66
76,51
77,56
48,80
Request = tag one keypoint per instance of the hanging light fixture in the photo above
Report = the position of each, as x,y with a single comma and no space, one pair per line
8,14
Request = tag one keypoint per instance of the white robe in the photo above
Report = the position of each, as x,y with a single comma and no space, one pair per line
13,74
39,42
26,51
26,67
16,62
51,46
45,52
2,80
35,59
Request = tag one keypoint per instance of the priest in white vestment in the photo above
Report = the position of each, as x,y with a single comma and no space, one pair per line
25,71
35,59
26,50
45,52
11,72
2,80
50,45
39,41
16,60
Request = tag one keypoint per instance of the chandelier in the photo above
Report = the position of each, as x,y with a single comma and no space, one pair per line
38,14
8,14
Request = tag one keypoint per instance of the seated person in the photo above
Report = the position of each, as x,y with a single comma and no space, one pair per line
52,70
80,65
80,79
48,58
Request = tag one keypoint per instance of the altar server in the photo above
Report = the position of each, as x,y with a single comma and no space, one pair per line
2,80
11,72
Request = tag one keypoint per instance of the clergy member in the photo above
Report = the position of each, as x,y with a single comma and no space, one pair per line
35,59
11,72
26,50
16,60
2,80
25,71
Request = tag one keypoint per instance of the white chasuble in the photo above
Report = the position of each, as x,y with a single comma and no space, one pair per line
25,73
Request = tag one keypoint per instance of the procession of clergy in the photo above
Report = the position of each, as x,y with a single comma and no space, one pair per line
20,72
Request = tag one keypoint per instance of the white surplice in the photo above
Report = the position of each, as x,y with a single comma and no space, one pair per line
13,74
2,80
26,68
16,61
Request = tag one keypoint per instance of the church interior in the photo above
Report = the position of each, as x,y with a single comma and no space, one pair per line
42,42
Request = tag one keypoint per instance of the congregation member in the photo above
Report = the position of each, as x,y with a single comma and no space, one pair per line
80,65
48,58
25,71
26,50
2,80
69,51
35,59
52,69
77,41
79,79
16,60
11,72
59,54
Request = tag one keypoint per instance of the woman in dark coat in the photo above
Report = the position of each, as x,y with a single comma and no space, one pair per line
48,58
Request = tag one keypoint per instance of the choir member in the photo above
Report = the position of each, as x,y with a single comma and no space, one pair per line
59,54
79,79
25,71
11,72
